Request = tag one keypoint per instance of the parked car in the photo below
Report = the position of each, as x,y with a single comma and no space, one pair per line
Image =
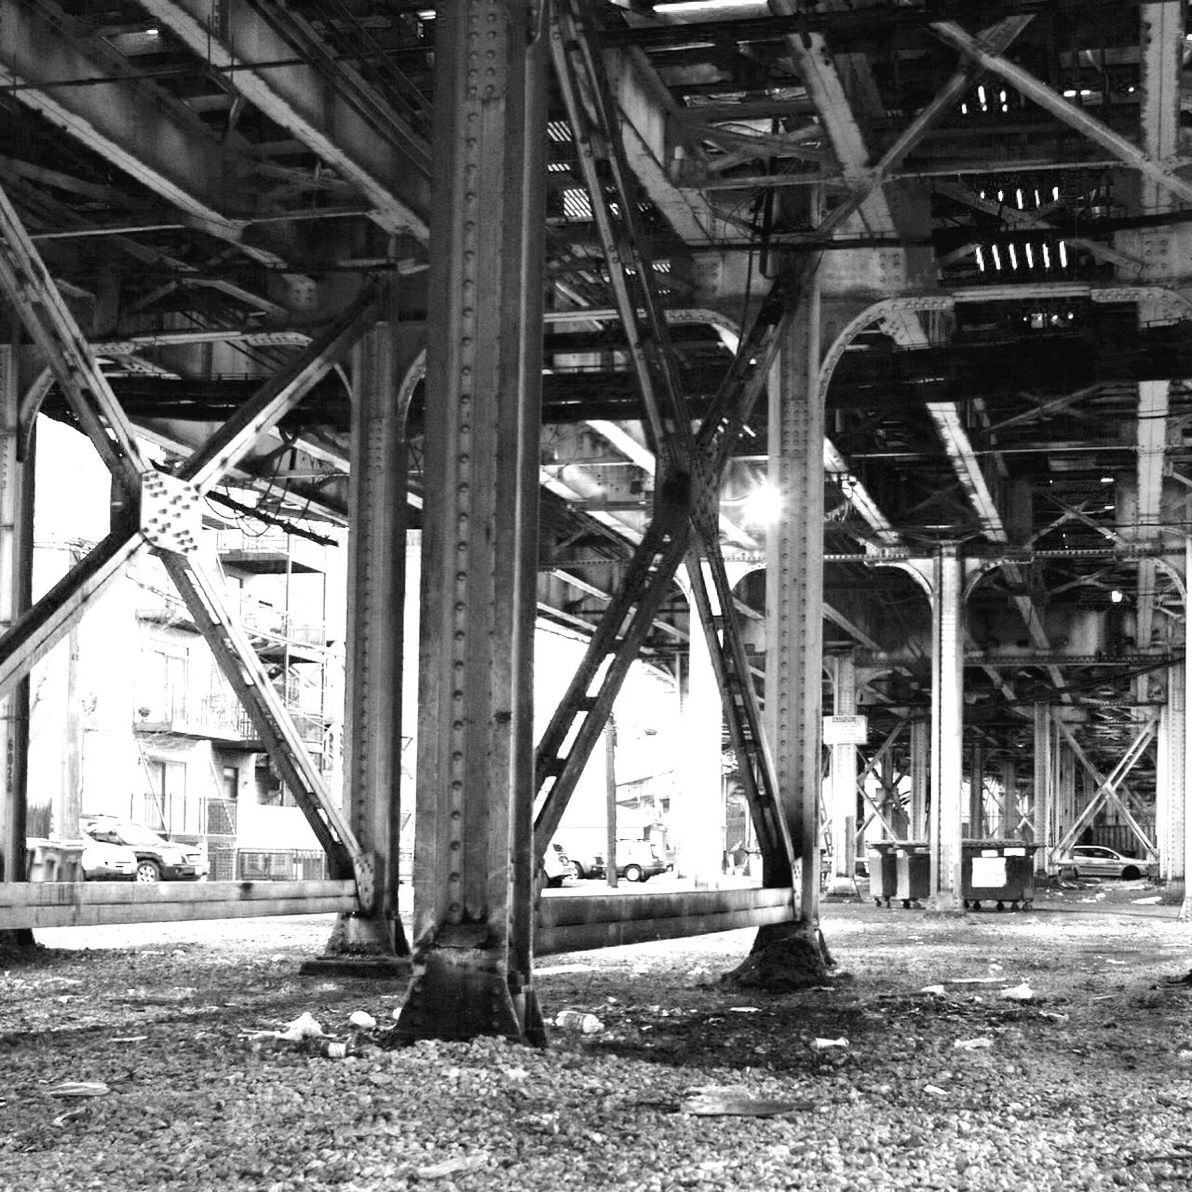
557,865
587,864
158,859
1096,860
639,860
104,862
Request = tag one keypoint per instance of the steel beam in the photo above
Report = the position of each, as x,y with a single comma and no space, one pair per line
1158,171
794,593
297,98
246,675
947,726
375,633
38,630
843,789
474,835
179,161
16,573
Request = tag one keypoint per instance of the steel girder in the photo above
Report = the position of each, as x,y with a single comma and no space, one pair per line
296,97
474,854
946,724
686,521
16,571
160,145
161,511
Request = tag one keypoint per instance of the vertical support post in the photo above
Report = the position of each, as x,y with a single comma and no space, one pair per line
1010,811
700,824
16,572
843,782
1043,803
376,632
920,777
977,791
1176,779
474,846
946,728
610,801
794,591
1182,793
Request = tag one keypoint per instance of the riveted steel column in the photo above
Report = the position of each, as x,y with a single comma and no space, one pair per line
843,783
1043,801
16,570
920,777
794,591
376,639
1011,815
977,791
1182,793
1171,851
1170,781
946,728
473,889
700,818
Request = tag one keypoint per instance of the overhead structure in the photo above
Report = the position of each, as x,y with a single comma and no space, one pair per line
925,263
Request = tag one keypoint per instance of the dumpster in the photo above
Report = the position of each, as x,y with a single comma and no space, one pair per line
53,860
880,856
998,871
912,862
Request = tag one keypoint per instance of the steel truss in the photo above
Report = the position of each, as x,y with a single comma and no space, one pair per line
685,522
161,512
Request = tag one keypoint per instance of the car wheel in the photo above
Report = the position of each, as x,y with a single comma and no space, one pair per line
147,871
577,869
633,873
1130,873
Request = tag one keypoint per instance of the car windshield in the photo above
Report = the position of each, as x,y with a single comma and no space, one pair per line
131,833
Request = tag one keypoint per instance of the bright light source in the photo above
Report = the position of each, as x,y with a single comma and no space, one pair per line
763,506
980,259
1106,479
1063,255
153,31
1030,257
1116,596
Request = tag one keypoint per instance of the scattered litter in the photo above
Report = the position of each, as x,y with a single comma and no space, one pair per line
996,968
130,1038
824,1044
516,1073
1184,1056
1054,1015
362,1018
972,1044
936,990
577,1020
335,1050
1186,979
1154,900
935,1090
549,970
464,1163
70,1115
973,980
1018,993
734,1101
80,1088
303,1027
745,1009
1111,961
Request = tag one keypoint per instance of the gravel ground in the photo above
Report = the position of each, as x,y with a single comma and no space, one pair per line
687,1084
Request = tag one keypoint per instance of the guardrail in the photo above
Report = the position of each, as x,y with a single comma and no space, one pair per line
565,924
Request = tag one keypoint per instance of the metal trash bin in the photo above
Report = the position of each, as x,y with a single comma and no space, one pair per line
998,871
912,860
53,860
880,856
